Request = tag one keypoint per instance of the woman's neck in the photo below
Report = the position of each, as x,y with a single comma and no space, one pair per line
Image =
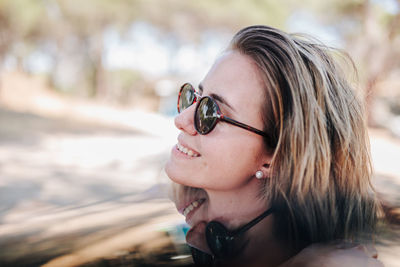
262,247
234,208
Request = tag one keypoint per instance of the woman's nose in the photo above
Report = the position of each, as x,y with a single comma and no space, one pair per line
184,120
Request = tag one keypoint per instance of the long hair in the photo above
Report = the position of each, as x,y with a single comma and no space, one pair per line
320,179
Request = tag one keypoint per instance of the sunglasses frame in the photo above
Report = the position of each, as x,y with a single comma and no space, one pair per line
219,117
217,235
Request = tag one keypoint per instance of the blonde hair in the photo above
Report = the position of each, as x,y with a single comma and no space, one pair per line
320,172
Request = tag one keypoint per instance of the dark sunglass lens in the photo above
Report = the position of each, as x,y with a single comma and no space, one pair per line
220,241
206,115
186,97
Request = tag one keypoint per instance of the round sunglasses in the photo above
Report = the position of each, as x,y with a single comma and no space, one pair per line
224,244
207,113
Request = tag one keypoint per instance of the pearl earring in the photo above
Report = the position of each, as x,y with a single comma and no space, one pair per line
259,174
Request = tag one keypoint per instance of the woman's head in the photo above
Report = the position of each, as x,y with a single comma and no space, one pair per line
314,157
224,161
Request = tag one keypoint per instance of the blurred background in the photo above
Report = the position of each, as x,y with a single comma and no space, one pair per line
87,99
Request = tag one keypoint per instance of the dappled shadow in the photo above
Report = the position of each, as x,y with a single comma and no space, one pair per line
155,193
12,193
32,247
168,254
67,185
78,189
26,129
24,250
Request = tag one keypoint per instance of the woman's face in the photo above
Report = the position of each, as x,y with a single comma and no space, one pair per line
228,156
223,162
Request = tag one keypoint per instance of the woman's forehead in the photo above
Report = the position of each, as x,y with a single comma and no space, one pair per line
234,77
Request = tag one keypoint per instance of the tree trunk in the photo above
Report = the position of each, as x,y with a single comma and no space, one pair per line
99,73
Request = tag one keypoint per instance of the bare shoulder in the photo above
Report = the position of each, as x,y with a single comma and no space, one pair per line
336,254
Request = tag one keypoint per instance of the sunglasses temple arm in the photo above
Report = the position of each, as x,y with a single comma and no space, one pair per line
253,222
242,125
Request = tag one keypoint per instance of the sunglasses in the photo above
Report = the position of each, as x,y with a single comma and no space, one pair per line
224,244
207,113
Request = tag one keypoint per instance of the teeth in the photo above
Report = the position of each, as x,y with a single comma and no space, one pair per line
191,207
186,211
186,150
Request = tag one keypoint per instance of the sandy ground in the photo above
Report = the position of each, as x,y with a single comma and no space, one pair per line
82,181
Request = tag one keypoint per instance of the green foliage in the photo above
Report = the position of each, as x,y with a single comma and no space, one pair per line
93,15
23,16
204,14
30,23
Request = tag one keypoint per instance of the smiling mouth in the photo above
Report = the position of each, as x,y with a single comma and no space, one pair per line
188,200
192,207
187,151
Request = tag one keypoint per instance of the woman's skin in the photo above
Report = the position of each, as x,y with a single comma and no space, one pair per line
219,178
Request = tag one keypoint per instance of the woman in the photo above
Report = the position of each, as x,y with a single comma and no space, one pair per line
274,155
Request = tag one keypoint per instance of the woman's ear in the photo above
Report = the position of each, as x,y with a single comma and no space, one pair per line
264,165
266,170
263,172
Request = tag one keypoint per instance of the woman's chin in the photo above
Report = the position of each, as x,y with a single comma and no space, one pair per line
176,175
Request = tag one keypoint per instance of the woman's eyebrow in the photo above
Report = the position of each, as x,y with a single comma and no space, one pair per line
221,100
216,97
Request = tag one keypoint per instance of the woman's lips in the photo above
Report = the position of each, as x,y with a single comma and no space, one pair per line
187,151
185,148
191,207
187,199
193,216
182,155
